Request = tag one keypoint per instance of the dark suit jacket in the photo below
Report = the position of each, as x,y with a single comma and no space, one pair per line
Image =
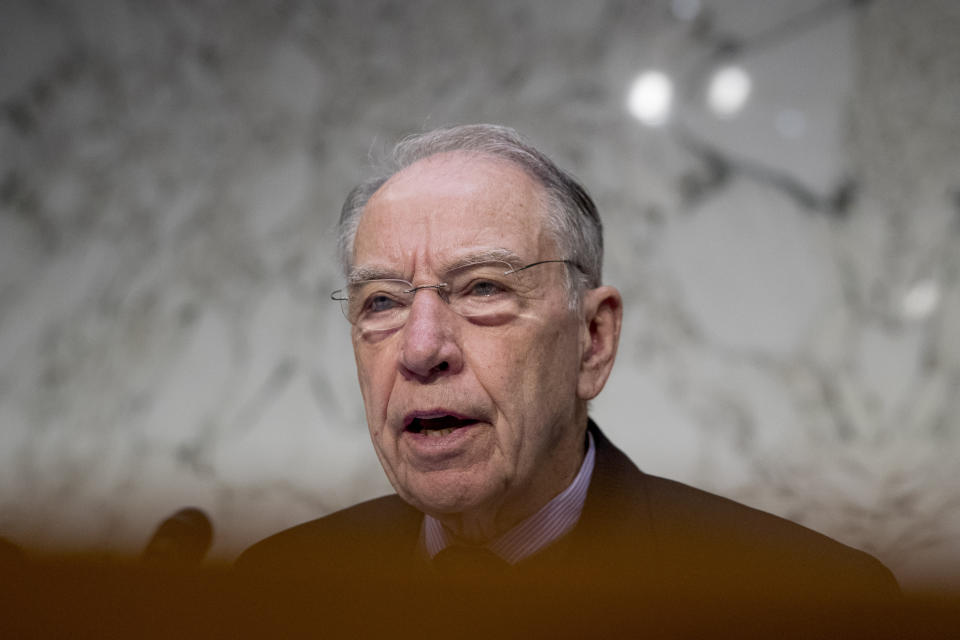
648,554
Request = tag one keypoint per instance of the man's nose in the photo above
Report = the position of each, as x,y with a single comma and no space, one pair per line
430,344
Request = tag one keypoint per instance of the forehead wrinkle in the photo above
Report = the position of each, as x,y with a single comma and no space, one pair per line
378,272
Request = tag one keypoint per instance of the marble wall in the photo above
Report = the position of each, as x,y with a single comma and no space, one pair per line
785,231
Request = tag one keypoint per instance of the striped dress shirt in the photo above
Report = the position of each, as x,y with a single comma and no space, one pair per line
547,525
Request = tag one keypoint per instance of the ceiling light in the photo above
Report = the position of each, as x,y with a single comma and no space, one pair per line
651,98
728,91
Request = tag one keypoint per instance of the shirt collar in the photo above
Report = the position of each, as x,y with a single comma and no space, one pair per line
547,525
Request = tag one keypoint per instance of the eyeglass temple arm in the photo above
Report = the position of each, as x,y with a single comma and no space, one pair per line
533,264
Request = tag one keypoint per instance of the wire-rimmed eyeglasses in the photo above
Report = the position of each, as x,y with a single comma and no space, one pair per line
490,290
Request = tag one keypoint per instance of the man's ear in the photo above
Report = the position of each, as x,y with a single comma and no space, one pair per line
602,315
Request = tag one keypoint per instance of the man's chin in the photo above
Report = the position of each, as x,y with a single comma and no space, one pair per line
440,499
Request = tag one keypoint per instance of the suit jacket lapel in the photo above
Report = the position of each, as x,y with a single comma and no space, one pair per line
616,527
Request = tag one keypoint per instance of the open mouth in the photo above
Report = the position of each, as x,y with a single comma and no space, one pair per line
439,426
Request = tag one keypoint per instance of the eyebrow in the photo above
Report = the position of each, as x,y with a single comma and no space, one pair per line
377,272
482,257
372,272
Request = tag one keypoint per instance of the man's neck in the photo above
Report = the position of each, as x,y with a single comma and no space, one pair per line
482,525
552,522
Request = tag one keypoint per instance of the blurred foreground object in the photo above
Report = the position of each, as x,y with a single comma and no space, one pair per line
74,597
182,540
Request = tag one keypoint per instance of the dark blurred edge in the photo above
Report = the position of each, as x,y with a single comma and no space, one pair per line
80,597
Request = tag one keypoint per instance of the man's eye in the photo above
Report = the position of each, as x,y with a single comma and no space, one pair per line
379,304
484,289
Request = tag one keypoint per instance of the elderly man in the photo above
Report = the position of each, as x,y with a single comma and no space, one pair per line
481,331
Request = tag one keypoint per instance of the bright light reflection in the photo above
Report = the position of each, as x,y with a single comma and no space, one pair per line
651,97
921,300
729,90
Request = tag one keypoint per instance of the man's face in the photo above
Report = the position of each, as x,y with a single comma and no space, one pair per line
509,386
